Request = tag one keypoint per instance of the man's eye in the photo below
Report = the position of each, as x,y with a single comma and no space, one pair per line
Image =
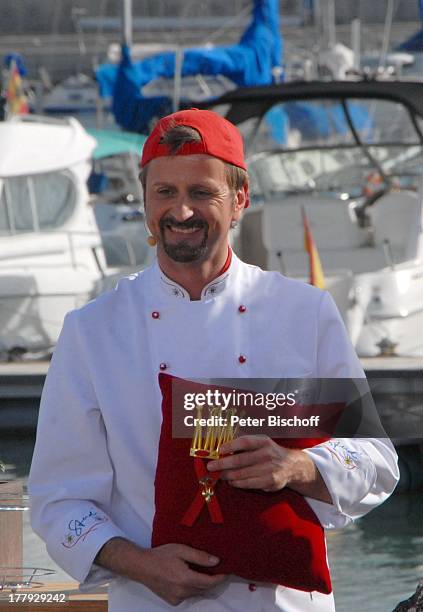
164,191
202,193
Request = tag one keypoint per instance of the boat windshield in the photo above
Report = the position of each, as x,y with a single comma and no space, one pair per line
333,146
37,202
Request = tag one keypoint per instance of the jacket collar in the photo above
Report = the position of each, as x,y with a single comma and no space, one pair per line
211,290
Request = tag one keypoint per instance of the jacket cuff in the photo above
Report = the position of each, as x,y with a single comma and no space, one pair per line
76,548
329,517
348,473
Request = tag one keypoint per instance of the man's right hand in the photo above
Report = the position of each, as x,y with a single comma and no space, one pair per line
164,570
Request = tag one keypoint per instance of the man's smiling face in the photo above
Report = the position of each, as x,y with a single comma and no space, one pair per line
190,206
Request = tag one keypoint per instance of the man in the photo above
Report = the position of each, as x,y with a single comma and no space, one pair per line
198,312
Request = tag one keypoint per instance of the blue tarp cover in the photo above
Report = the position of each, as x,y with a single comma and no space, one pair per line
414,43
315,121
248,63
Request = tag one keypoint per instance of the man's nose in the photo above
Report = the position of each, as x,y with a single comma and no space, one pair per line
182,209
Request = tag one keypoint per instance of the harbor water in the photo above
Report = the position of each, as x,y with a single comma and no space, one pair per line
376,562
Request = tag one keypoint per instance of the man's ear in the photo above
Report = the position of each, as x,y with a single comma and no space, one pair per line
242,200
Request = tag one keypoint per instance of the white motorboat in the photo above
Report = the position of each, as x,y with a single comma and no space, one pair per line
350,154
52,252
76,94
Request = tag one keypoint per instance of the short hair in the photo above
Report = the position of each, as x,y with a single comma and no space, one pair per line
177,136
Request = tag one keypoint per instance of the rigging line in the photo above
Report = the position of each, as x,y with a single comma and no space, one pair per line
187,8
233,21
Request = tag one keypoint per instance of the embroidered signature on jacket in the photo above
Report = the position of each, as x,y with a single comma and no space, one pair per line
80,528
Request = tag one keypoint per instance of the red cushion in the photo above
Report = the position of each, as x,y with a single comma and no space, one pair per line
264,537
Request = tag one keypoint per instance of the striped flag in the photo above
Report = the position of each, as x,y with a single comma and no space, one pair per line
316,271
17,102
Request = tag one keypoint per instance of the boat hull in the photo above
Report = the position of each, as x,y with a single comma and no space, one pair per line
33,305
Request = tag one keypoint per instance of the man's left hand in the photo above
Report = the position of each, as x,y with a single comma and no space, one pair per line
260,463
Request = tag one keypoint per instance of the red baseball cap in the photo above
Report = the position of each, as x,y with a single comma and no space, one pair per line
219,137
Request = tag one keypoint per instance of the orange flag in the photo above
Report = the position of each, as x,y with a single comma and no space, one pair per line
16,99
316,271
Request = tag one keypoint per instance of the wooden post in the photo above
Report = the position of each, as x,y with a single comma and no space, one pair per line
11,525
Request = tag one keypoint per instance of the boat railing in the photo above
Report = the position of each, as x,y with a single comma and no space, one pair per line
127,243
72,236
74,239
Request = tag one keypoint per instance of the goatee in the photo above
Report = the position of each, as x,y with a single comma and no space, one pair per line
183,251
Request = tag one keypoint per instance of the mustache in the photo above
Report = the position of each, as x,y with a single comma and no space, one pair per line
188,224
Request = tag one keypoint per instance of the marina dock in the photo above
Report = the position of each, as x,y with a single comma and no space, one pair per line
21,385
20,391
408,367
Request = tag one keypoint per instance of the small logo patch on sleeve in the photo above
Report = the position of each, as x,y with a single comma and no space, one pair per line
348,458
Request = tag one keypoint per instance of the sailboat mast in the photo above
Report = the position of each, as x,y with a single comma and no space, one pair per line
127,23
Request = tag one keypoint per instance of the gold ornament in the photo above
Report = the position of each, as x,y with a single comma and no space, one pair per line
220,429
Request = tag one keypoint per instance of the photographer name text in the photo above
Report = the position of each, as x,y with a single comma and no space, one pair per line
270,420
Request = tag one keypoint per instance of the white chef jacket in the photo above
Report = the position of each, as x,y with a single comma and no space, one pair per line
94,464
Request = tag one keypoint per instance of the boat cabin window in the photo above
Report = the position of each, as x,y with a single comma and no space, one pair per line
383,122
55,197
309,145
311,123
20,204
35,203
